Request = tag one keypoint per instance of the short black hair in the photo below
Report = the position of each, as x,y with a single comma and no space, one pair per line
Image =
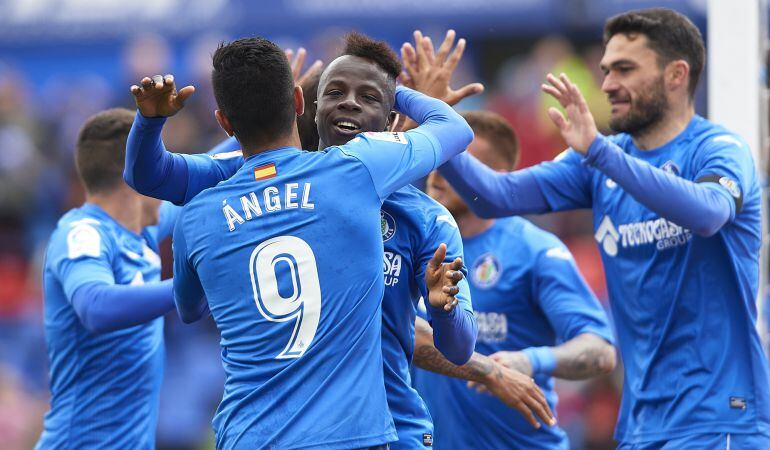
670,34
308,129
378,52
494,128
100,150
254,89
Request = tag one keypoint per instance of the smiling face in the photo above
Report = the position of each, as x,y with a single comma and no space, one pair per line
354,95
634,84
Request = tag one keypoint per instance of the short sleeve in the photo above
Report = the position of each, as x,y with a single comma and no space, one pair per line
726,165
83,256
394,159
565,182
565,298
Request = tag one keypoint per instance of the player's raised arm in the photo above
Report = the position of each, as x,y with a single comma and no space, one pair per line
703,206
455,328
396,159
513,388
150,169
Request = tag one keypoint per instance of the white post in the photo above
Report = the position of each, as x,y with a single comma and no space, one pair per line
736,93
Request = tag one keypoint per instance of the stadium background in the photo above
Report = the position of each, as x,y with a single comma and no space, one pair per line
61,61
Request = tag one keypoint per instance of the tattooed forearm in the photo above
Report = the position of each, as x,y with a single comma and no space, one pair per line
584,356
428,357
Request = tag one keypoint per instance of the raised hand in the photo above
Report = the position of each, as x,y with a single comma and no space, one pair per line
579,128
430,73
158,97
298,61
441,280
519,392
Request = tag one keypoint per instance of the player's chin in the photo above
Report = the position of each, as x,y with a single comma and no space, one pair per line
340,136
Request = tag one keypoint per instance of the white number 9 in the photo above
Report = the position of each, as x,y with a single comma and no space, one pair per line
304,302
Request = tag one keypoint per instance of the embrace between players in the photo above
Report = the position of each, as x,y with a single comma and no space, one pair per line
312,263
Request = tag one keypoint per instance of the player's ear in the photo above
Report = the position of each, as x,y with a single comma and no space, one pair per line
299,101
224,122
677,74
391,119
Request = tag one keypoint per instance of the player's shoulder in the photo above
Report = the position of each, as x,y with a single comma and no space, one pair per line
78,233
708,134
538,241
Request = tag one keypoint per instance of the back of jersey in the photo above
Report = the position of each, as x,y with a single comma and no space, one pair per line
289,254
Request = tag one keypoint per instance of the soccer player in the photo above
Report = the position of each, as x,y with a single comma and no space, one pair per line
412,224
535,313
676,209
297,233
103,302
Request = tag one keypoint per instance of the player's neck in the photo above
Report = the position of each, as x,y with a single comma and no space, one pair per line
670,126
471,225
290,140
124,207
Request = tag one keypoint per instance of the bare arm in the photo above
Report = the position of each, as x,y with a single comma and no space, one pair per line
584,356
516,390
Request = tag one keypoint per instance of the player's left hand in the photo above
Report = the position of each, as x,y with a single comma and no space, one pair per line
441,280
579,128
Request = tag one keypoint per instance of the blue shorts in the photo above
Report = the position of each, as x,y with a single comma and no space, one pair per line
711,441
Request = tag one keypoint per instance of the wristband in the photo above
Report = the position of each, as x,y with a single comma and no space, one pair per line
542,359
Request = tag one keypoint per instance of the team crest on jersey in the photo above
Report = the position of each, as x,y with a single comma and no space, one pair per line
610,183
670,167
731,186
486,271
387,225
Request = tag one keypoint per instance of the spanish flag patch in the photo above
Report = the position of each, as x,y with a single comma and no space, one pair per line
265,172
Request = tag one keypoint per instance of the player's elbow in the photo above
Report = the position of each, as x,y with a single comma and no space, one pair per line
607,359
464,132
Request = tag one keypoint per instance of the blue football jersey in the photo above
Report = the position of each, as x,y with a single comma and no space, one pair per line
413,225
104,387
527,292
683,304
290,256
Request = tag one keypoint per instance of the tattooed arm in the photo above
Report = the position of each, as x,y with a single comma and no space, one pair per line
584,356
512,388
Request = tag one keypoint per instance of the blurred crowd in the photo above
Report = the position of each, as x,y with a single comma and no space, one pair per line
38,183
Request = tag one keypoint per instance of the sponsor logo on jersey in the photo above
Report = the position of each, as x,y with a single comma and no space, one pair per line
486,271
391,268
493,326
387,225
610,183
670,167
660,232
731,186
